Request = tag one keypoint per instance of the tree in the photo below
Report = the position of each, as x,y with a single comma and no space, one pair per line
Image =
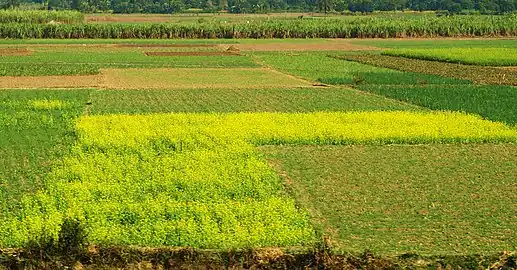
505,6
363,6
325,5
5,4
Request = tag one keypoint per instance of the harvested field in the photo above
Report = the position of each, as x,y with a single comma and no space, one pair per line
15,52
34,82
163,45
171,78
227,53
327,46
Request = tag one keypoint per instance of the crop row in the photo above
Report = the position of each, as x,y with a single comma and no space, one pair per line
494,102
324,28
40,16
318,66
196,179
476,74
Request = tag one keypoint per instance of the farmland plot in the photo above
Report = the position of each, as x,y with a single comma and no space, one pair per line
281,150
471,56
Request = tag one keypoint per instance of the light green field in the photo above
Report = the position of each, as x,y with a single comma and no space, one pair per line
318,66
472,56
439,43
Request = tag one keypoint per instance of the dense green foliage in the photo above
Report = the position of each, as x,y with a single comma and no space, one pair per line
362,27
40,16
496,103
264,6
318,66
472,56
239,100
35,132
399,199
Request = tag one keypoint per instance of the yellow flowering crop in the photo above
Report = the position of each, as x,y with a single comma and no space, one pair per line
196,179
294,128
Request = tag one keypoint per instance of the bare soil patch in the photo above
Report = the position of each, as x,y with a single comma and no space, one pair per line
15,52
514,69
128,18
30,82
327,46
227,53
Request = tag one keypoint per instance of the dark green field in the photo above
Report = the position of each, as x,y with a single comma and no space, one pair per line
429,199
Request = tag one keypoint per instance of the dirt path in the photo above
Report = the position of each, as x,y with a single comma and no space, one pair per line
327,45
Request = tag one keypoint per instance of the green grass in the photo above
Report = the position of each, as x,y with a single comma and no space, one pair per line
496,103
239,100
438,43
476,74
317,66
39,69
36,129
471,56
87,61
427,199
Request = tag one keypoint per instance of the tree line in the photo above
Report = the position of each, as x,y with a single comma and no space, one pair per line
264,6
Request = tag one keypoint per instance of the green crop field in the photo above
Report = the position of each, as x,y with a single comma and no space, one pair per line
240,100
400,198
269,153
473,56
320,67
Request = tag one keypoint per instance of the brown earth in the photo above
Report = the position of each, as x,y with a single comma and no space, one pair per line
227,53
164,45
121,18
15,52
510,68
327,46
30,82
